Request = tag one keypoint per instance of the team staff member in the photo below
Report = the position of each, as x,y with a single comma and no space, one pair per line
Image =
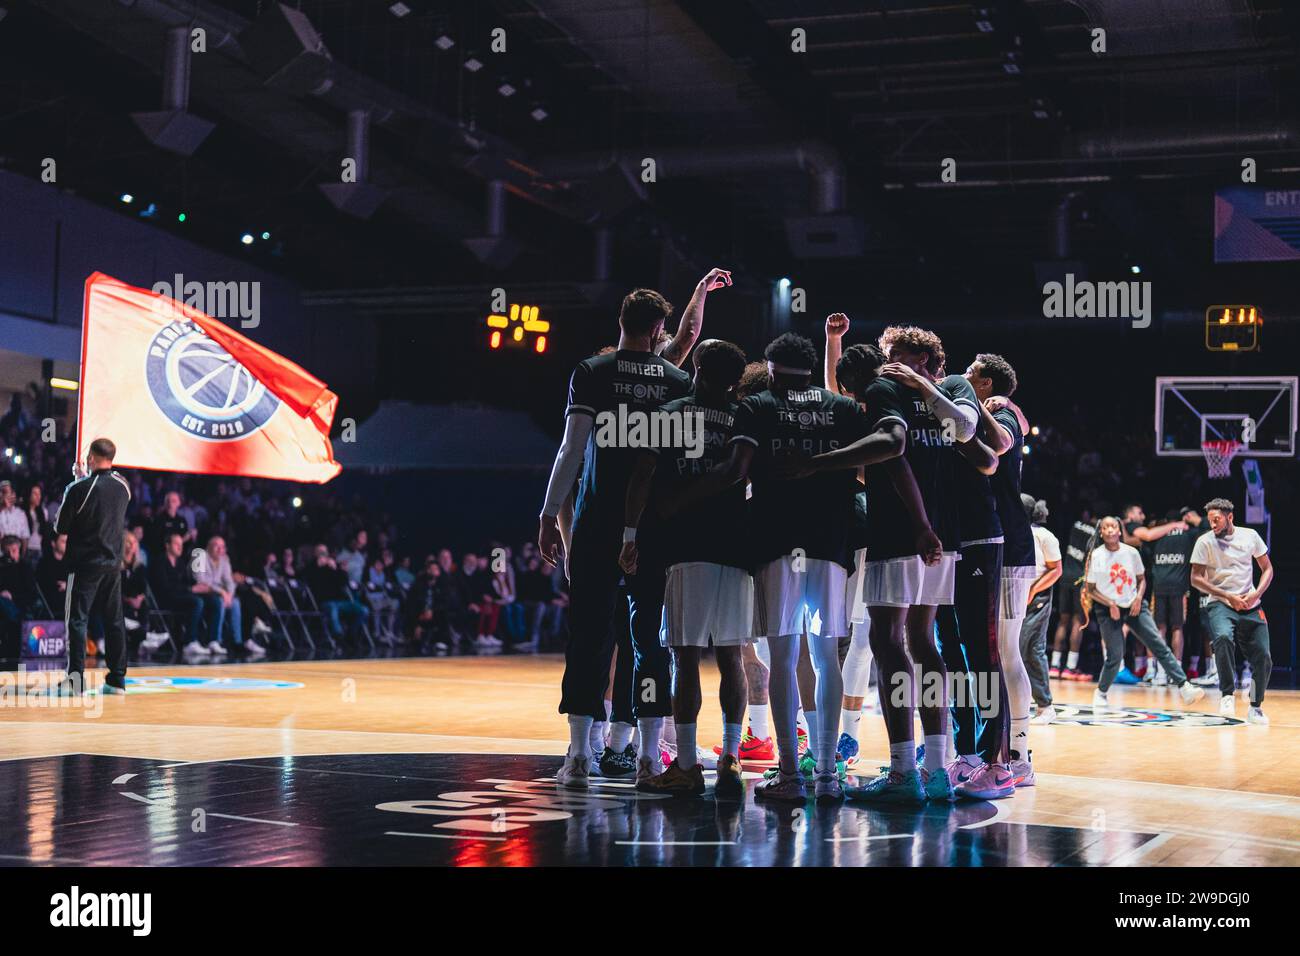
1231,607
93,515
1033,632
1171,580
1070,589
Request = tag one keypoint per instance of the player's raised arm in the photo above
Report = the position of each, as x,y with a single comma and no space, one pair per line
837,323
692,323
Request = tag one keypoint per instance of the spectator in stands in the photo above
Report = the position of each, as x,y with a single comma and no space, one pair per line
176,592
381,593
52,573
542,606
19,598
427,609
13,520
216,573
170,521
288,565
344,614
402,573
505,598
134,585
352,559
38,522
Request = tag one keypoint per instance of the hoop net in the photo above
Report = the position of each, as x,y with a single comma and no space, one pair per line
1219,455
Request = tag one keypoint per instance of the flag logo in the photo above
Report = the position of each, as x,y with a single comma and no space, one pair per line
200,387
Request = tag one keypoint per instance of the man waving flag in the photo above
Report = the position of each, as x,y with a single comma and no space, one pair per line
179,391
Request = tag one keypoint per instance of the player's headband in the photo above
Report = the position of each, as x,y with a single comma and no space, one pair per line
773,368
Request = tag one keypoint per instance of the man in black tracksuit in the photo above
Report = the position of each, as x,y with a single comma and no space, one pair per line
93,516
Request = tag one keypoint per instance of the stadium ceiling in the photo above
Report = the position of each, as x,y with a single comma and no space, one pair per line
762,146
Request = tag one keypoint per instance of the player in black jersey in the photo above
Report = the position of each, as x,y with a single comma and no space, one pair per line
709,598
902,548
800,546
1171,581
1080,543
991,376
1138,535
611,398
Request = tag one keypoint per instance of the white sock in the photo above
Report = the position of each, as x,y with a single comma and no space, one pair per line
669,732
609,709
731,739
758,721
936,748
814,732
1056,659
580,736
1020,738
902,756
650,729
686,758
598,737
620,735
849,720
1072,660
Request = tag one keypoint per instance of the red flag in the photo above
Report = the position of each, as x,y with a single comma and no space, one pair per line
176,390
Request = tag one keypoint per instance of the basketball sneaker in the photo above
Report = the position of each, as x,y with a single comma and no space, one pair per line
647,767
1044,716
990,782
1100,701
783,789
1023,771
827,788
751,748
937,785
616,765
195,649
1228,706
728,786
1054,672
676,781
706,758
1257,716
1074,675
890,789
962,769
803,739
848,749
1190,693
573,774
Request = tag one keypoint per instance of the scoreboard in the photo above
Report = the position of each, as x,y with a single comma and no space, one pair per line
520,327
1233,328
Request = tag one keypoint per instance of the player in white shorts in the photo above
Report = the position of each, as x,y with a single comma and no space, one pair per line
709,594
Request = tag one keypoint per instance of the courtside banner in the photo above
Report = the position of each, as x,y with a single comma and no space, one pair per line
176,390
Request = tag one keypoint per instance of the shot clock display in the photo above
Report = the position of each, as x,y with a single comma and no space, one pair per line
1233,328
520,327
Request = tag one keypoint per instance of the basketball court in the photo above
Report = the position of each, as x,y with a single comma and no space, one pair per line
400,762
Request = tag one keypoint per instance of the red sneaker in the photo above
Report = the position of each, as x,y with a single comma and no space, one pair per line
751,748
1053,672
1193,673
803,740
1075,675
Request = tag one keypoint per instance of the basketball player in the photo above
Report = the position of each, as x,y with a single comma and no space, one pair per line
709,597
991,375
92,515
1171,581
800,548
856,665
629,380
912,537
1138,535
1033,632
1230,609
1116,584
1069,607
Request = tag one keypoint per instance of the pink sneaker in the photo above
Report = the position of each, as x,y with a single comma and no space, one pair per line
990,782
1022,771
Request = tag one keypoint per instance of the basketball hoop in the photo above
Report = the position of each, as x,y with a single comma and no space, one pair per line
1219,455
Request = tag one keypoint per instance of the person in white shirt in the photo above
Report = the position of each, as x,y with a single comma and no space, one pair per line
1033,629
13,520
1230,608
1117,583
213,570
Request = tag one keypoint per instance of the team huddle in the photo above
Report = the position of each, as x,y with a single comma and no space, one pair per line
801,531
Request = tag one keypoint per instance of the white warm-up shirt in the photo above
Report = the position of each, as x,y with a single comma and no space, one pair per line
1229,561
1116,573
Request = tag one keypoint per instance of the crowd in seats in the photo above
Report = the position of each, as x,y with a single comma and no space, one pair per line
242,567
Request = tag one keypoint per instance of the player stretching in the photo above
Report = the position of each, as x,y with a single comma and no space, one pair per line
1230,609
1116,583
628,381
709,598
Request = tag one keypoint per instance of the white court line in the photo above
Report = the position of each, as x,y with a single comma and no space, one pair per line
1132,857
863,838
135,796
674,842
1001,808
123,779
231,816
443,836
54,860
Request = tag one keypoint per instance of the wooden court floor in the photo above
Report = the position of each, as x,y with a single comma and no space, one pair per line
1213,793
